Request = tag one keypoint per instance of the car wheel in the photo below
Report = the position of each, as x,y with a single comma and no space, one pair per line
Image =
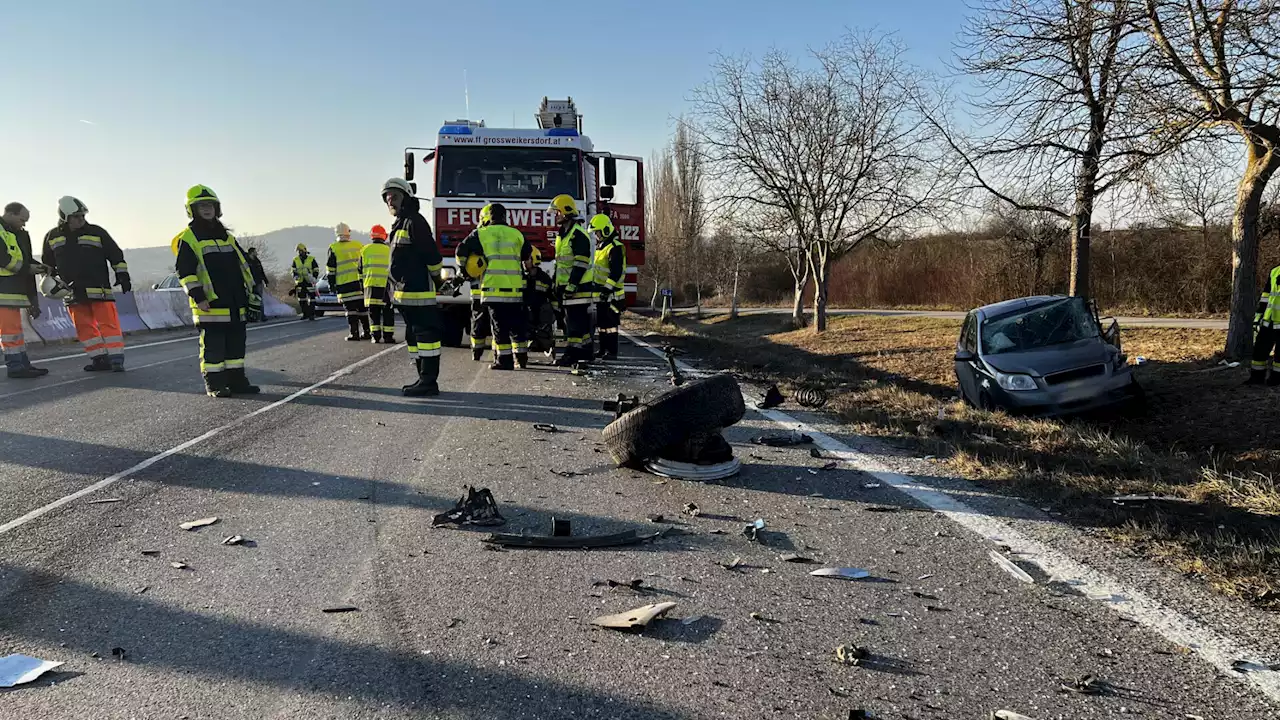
697,408
986,403
319,313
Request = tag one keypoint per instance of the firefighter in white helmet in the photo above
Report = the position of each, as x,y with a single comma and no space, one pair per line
344,281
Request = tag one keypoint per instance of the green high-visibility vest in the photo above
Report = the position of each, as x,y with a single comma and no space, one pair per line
503,280
201,278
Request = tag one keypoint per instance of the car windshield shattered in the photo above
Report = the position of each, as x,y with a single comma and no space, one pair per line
1053,323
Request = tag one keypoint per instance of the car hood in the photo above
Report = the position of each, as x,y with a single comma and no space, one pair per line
1054,358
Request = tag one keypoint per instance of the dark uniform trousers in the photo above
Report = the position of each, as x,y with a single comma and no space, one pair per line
607,321
306,300
510,331
481,329
577,330
222,346
382,315
422,335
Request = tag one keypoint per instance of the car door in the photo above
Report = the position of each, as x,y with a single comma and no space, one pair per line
966,375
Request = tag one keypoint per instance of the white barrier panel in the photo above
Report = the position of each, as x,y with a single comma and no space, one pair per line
180,307
54,323
155,310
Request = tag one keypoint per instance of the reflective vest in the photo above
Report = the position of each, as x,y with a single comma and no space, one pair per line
202,279
346,280
375,261
1268,314
566,261
503,280
11,269
608,285
305,270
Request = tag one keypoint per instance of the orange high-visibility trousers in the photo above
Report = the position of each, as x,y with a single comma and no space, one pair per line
97,327
12,341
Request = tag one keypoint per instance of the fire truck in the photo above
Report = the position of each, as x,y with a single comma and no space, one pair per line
524,168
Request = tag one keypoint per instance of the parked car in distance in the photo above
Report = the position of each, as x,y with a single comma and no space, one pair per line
1046,355
168,284
325,299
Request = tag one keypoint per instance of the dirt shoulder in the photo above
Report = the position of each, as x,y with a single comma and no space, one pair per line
1204,438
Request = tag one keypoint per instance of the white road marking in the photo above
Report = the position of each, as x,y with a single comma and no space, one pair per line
105,482
252,328
95,376
1217,649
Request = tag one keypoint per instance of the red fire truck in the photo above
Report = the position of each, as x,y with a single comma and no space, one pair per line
524,168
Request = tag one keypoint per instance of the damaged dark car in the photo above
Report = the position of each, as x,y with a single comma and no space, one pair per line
1045,356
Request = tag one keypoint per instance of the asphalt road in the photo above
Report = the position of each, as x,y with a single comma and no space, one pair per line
333,478
1189,323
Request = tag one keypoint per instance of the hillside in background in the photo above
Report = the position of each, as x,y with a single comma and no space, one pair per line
151,264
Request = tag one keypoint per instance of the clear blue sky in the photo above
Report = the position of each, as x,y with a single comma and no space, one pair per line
296,111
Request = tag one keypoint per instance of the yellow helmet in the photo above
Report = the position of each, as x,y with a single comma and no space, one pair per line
601,224
475,266
486,215
301,248
537,256
564,205
203,193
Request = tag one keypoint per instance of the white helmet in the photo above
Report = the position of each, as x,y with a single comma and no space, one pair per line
396,183
52,287
68,205
343,231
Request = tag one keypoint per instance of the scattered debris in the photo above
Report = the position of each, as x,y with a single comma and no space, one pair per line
655,518
629,537
936,608
453,623
841,573
1086,685
924,577
340,609
1243,666
691,510
771,398
565,473
546,428
104,501
561,528
202,522
636,584
1008,566
761,618
1008,715
830,466
150,552
733,564
475,507
810,397
178,565
20,669
782,439
1122,499
752,531
882,508
691,620
850,655
794,558
141,590
118,653
637,618
233,540
871,486
816,454
622,405
923,596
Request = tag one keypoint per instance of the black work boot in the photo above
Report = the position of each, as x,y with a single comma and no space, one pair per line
417,368
1256,377
388,338
1273,379
353,324
428,372
238,383
522,360
215,385
364,328
99,363
477,354
609,346
26,372
377,337
503,362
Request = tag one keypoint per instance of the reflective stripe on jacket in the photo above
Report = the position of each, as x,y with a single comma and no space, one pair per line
12,266
216,271
503,279
344,265
610,268
1268,314
574,273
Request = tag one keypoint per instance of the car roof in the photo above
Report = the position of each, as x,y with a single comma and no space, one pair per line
1006,306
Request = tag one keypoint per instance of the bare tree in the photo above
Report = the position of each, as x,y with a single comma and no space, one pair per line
1225,57
1058,101
1030,237
770,231
663,257
691,205
837,147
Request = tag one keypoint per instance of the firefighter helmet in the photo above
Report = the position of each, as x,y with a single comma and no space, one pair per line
68,206
396,183
475,266
203,193
486,215
601,224
537,255
378,233
343,231
53,287
301,248
564,206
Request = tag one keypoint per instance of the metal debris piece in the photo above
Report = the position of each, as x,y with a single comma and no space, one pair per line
141,590
1008,715
859,714
475,507
761,618
1243,666
839,573
733,564
782,439
20,669
637,618
1123,499
561,528
104,501
871,486
453,623
850,655
202,522
830,466
691,510
546,428
752,531
629,537
118,653
1086,685
1008,566
691,620
622,405
565,473
816,454
923,596
882,509
233,540
340,609
771,398
936,608
655,518
636,584
794,558
150,552
810,397
925,577
178,565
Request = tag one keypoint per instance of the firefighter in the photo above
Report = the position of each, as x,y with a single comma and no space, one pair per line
80,253
344,281
259,278
505,254
305,272
472,266
375,263
215,273
1266,345
537,294
415,275
610,269
17,291
574,289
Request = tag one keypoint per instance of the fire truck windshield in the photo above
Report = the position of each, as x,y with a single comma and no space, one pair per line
507,172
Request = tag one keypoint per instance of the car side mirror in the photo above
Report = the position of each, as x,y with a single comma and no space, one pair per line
964,356
606,192
155,286
610,171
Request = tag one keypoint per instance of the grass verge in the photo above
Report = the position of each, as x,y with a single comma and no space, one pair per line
1204,439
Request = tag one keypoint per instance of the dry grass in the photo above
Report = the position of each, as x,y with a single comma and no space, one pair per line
1205,438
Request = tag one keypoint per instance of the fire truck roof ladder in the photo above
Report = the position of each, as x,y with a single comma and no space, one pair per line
558,114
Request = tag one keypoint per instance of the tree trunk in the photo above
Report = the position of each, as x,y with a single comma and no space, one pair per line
697,300
820,262
1259,167
733,300
797,306
1081,236
653,301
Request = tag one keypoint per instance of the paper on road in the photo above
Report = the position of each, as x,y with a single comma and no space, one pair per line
19,669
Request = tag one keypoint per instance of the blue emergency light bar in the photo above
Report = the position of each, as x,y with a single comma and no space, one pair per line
562,132
455,130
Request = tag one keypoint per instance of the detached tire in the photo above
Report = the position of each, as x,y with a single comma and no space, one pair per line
699,407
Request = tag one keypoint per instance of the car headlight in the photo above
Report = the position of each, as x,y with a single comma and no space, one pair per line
1015,382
